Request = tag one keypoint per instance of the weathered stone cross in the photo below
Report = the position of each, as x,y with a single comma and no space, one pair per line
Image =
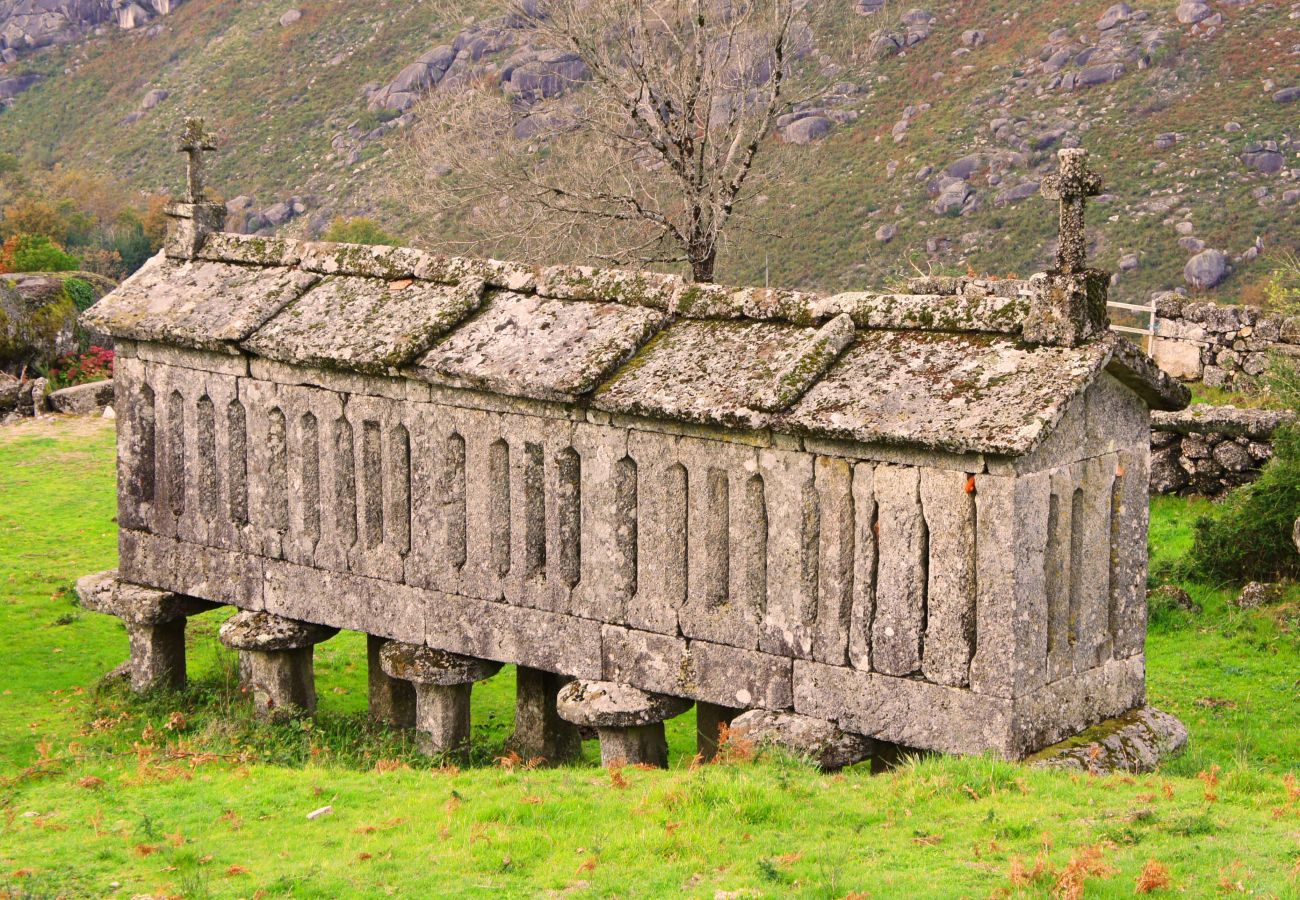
195,141
1072,186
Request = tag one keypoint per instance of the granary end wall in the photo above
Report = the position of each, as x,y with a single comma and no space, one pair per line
957,603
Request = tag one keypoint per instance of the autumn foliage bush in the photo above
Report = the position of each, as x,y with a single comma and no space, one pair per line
95,364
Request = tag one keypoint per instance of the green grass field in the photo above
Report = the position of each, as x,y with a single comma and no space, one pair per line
184,795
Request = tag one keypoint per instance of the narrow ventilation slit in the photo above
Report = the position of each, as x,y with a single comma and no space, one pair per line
718,547
142,484
453,493
309,429
345,483
1076,564
1116,532
277,474
209,489
499,488
625,527
372,473
237,463
1058,589
534,511
176,452
398,518
568,507
677,489
756,515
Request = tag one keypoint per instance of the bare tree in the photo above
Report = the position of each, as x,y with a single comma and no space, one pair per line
646,157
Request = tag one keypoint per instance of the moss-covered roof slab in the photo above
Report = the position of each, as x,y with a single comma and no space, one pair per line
545,349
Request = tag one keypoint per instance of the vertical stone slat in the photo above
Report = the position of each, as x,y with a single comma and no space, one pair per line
948,501
533,526
277,472
175,450
1011,595
372,484
790,616
1128,619
307,483
726,537
667,482
487,504
1059,581
345,484
397,464
134,400
237,463
566,501
901,579
597,596
834,480
1093,624
863,610
209,493
437,470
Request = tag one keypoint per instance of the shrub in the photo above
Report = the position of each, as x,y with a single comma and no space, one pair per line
81,293
1248,535
96,364
35,253
358,231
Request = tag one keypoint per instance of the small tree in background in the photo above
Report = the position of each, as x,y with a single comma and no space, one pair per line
35,253
651,156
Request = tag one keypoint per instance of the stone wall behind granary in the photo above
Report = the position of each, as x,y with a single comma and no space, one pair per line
1225,346
1208,450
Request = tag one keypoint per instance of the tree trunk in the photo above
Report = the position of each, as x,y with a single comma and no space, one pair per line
702,267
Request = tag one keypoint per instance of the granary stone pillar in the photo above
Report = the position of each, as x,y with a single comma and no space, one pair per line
442,682
155,625
276,660
629,721
539,730
709,719
392,700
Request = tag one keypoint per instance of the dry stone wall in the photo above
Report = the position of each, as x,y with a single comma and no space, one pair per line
925,599
1208,450
1223,345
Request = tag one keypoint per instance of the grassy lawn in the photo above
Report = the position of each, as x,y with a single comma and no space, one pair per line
184,795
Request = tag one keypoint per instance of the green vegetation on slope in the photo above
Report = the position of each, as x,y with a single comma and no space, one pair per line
183,794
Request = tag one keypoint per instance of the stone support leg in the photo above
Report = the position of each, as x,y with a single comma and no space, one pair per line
157,655
442,718
709,719
282,682
629,721
276,661
640,745
539,730
442,683
392,701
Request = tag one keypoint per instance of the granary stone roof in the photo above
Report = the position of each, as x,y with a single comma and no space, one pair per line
941,366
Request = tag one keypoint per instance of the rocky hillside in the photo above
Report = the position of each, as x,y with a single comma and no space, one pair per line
927,158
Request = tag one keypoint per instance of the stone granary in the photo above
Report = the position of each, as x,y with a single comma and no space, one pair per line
918,516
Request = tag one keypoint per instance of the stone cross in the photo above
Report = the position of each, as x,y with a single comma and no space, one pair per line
195,141
1072,186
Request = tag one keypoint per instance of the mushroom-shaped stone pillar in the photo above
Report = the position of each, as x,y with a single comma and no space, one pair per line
539,732
276,660
155,625
442,683
392,701
629,721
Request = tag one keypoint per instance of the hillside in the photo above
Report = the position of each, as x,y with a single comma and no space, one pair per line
929,160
